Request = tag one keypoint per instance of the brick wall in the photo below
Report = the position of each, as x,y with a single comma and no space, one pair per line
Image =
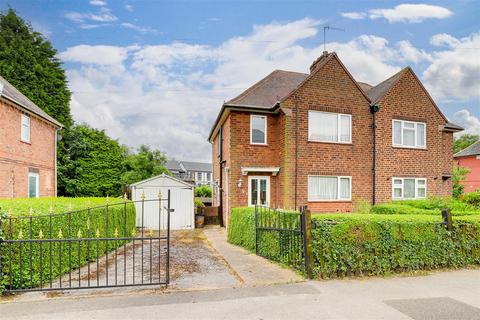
17,157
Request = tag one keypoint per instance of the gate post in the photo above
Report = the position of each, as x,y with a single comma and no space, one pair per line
306,225
256,230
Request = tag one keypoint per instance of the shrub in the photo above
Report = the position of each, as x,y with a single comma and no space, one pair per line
432,206
203,191
348,244
472,198
75,225
395,208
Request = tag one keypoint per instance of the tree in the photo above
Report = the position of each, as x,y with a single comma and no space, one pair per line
93,164
459,174
30,63
203,191
143,164
464,141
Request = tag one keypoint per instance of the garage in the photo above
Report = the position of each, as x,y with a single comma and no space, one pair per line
181,200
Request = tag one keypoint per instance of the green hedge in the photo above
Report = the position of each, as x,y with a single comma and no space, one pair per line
350,244
78,224
431,206
241,228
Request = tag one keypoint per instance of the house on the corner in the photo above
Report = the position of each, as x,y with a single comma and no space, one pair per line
200,173
470,159
324,140
28,146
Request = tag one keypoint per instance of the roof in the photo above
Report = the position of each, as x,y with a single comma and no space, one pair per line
450,126
11,93
365,86
377,92
173,165
268,91
197,166
472,150
163,175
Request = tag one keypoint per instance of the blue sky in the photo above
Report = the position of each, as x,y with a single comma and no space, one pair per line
157,72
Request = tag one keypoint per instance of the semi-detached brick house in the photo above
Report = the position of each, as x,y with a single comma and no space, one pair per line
326,141
28,140
470,158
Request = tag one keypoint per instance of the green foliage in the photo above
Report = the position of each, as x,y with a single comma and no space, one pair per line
203,191
83,223
458,175
143,164
396,208
464,141
362,206
473,199
30,63
93,164
199,203
241,228
431,206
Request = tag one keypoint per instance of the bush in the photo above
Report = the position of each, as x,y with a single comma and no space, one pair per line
432,206
75,225
395,208
203,191
345,244
241,228
473,199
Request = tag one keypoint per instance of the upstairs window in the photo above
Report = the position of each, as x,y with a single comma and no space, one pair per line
329,127
25,129
409,134
326,188
258,129
409,188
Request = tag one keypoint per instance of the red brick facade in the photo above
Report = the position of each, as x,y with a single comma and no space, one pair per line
18,158
331,88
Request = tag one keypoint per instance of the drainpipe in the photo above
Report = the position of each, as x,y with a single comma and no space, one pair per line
296,150
220,164
374,108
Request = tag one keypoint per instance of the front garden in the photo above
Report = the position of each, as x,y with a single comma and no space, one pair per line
30,263
383,239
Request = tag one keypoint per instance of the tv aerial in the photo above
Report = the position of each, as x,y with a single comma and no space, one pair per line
325,28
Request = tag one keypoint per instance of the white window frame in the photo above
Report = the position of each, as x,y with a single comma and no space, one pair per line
250,178
37,178
338,127
265,118
402,125
28,128
403,188
338,189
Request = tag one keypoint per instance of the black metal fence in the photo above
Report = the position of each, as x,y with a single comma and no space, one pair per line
98,247
282,236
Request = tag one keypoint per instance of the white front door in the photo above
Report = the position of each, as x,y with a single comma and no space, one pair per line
259,190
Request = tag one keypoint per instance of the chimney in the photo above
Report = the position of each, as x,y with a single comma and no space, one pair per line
315,63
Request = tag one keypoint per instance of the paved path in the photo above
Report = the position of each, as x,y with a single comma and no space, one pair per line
446,295
252,269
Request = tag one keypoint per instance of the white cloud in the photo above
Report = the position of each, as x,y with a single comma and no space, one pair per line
105,15
468,121
354,15
444,39
139,28
168,95
406,12
455,71
98,3
128,7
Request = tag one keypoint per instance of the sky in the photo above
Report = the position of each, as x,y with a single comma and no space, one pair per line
157,72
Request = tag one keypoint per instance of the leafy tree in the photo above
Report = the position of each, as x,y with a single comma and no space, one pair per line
143,164
203,191
92,164
459,174
30,63
464,141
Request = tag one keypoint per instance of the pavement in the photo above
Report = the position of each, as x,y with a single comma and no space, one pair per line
443,295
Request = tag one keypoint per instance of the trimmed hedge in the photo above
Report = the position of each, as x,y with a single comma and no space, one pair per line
77,225
241,228
431,206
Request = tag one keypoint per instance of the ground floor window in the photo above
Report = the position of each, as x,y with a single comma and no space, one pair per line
409,188
33,185
329,188
258,190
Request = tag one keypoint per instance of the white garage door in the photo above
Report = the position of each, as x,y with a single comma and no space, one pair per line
181,200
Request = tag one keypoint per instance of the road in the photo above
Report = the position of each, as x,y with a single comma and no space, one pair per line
442,295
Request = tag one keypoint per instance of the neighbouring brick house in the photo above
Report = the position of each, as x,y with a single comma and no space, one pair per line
28,140
470,159
200,173
326,141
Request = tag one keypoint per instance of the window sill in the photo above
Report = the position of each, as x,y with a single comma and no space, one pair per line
25,141
410,148
259,144
329,201
330,142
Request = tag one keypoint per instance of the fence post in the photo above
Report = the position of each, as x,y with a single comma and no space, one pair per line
306,225
447,219
256,230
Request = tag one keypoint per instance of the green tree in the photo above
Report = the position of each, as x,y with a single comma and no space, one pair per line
93,164
464,141
143,164
459,174
203,191
30,63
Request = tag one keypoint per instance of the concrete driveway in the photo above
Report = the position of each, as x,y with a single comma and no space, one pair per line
444,295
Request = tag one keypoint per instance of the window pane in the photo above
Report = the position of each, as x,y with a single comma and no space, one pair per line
344,188
421,182
409,188
32,186
397,192
408,137
254,191
420,134
258,129
397,181
397,132
345,128
322,188
409,125
322,126
263,191
421,192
